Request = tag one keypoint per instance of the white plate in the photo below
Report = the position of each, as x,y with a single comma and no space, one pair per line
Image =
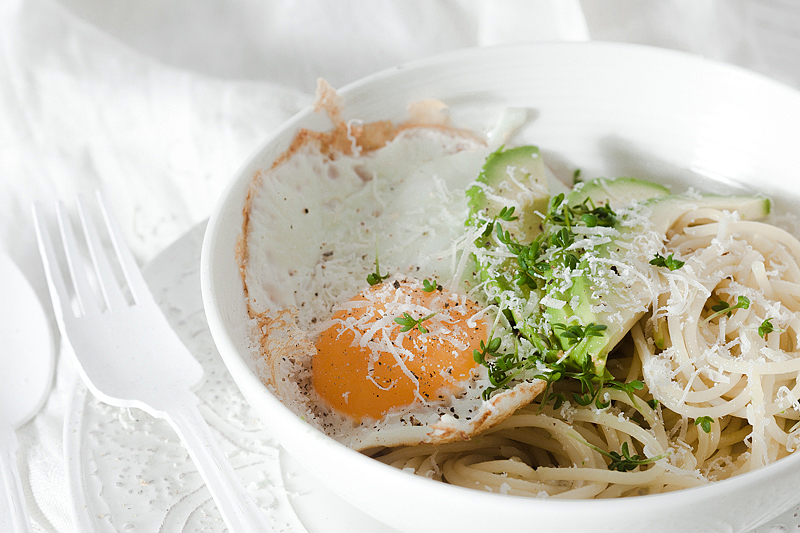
609,110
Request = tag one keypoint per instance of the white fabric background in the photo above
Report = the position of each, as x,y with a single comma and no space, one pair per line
157,103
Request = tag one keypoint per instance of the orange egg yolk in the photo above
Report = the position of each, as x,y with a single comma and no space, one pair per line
366,365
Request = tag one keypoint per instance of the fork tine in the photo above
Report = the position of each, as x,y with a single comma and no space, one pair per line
109,286
80,281
133,275
55,280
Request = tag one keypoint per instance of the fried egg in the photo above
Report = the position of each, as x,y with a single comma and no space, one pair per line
371,365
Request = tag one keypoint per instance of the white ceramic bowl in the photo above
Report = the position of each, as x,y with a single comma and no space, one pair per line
609,110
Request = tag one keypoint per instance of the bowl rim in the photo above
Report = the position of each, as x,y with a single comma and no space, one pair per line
227,348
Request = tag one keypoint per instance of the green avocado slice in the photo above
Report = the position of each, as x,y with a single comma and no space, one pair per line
514,177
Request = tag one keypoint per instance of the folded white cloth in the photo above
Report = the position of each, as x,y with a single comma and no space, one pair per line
158,103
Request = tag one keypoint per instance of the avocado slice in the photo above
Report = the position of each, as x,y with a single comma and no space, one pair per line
514,177
615,192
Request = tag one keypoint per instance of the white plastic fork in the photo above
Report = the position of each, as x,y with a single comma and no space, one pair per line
128,354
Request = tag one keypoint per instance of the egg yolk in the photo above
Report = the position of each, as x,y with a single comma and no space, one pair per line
366,365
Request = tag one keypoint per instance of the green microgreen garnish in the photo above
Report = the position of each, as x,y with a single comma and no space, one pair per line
704,422
628,388
506,238
562,238
429,286
576,333
669,262
576,176
621,462
489,349
766,328
507,214
625,462
591,385
408,322
375,277
502,367
724,308
561,214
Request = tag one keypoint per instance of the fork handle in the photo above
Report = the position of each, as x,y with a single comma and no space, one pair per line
235,504
13,513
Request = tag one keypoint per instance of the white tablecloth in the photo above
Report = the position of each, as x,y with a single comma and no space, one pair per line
157,103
